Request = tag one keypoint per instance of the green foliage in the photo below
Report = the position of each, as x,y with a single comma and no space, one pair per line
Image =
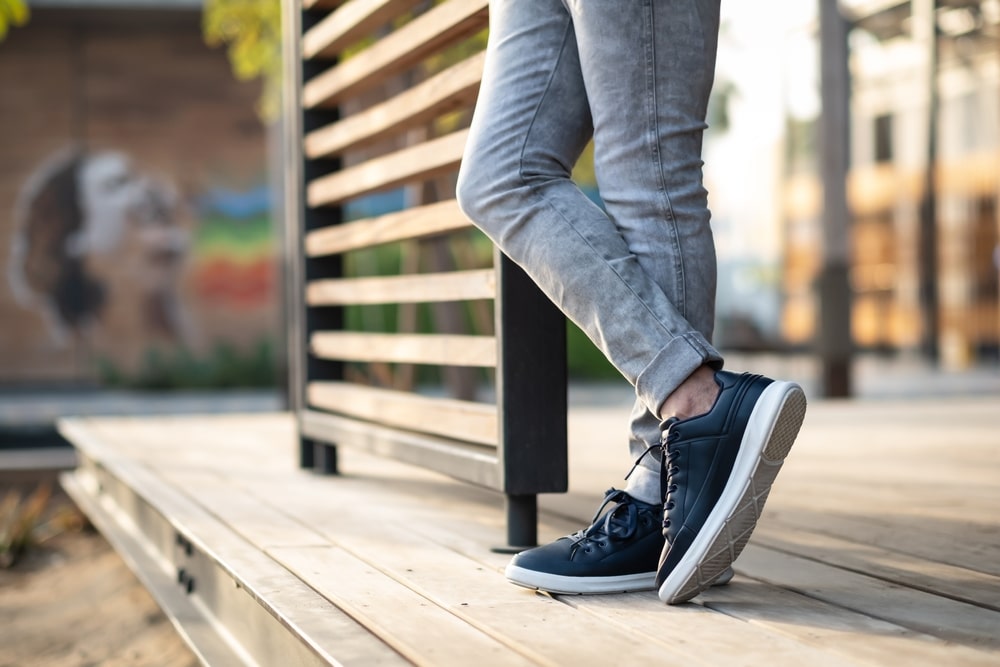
12,13
225,367
584,361
252,31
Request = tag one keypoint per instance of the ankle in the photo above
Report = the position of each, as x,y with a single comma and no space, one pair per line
695,396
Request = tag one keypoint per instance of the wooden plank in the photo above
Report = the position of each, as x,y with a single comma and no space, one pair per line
410,288
920,574
835,630
418,222
327,631
430,32
421,162
459,459
454,88
948,619
418,629
463,420
350,23
241,460
713,638
548,631
201,636
442,349
426,577
575,630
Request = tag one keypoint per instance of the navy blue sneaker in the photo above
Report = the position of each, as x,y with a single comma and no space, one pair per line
617,553
717,470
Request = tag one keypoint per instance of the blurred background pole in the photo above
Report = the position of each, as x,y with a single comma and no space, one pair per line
834,343
924,31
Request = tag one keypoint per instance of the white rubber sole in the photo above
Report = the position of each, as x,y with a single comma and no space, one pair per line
771,431
554,583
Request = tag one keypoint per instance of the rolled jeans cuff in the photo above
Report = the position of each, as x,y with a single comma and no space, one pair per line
681,357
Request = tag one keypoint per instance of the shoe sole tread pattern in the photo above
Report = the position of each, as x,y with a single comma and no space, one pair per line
728,528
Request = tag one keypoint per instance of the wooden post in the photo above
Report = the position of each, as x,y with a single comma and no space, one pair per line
834,343
924,21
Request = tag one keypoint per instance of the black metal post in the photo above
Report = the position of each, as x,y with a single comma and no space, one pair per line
531,399
300,219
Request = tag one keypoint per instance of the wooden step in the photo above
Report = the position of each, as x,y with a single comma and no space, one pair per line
259,562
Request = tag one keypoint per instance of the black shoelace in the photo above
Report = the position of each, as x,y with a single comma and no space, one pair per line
617,524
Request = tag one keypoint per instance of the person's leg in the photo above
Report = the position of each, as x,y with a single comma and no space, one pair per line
514,184
531,123
620,281
649,66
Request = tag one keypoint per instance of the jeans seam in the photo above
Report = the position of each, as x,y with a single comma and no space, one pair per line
657,159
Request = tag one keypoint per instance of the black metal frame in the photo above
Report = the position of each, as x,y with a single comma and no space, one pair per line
531,455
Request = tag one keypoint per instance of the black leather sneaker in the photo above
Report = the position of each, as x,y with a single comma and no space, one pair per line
716,473
617,553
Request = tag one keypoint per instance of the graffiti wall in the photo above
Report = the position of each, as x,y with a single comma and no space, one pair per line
136,233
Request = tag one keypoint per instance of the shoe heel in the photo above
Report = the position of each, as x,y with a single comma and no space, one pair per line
786,427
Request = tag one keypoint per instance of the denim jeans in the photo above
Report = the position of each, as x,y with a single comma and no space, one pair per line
638,277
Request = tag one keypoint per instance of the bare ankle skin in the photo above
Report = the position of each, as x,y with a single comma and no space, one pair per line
695,396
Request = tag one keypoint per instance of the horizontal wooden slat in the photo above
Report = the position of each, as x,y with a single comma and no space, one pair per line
421,37
451,89
413,223
461,420
413,288
471,462
450,350
353,21
421,162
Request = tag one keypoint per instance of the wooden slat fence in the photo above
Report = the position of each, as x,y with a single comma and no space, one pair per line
378,98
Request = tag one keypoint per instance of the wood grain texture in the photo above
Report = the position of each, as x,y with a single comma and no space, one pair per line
435,29
412,288
417,163
813,587
452,89
413,223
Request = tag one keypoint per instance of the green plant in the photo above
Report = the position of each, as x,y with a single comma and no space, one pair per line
12,13
29,520
251,29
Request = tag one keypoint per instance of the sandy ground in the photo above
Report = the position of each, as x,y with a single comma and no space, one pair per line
73,602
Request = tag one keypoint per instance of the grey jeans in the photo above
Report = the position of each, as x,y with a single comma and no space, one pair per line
638,277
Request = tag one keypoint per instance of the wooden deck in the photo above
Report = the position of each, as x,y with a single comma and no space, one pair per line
880,545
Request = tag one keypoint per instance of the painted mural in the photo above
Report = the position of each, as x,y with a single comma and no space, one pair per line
76,211
159,288
137,244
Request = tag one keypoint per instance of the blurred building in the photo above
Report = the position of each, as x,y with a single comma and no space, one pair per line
889,158
135,221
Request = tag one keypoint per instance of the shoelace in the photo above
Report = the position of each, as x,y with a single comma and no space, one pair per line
667,464
669,469
619,522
